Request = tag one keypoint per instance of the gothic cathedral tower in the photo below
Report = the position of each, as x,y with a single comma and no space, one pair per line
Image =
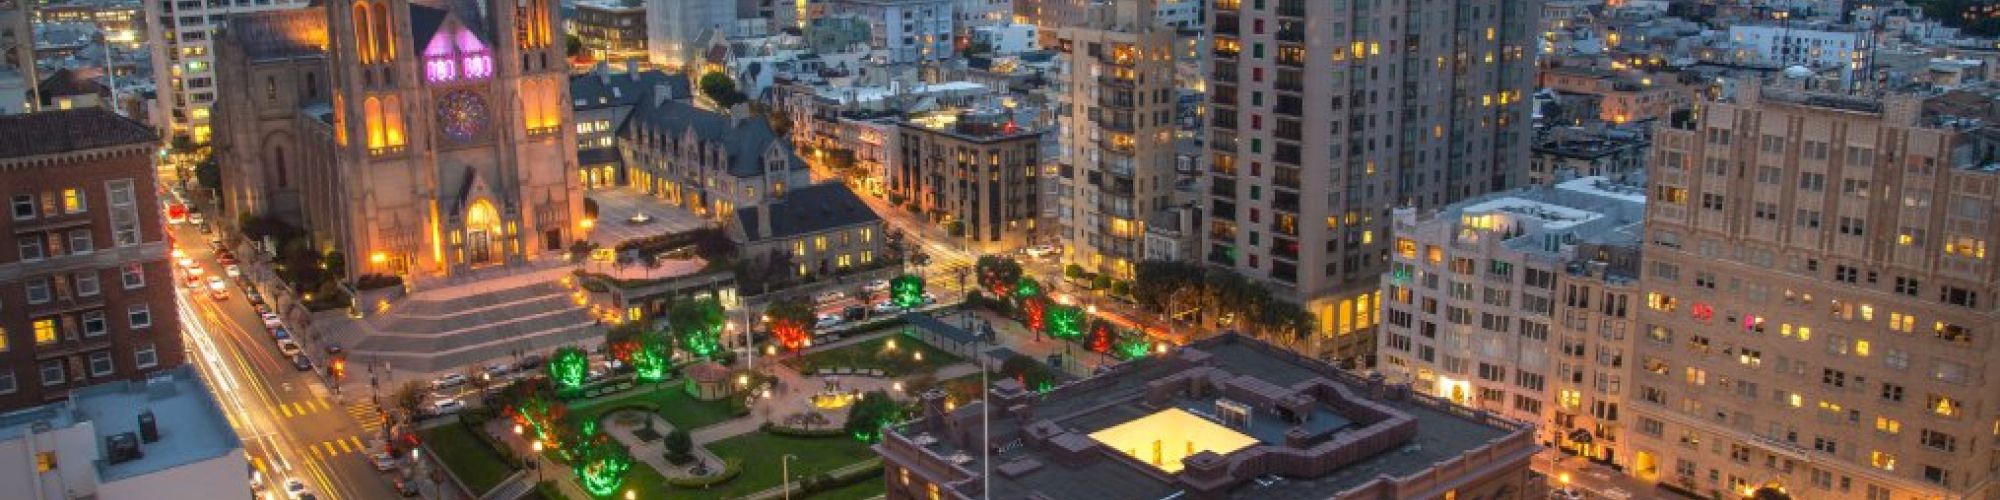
449,124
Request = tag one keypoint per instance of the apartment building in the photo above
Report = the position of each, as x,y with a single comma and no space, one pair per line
974,170
906,31
611,30
1316,128
1115,165
88,287
181,35
1819,303
1489,305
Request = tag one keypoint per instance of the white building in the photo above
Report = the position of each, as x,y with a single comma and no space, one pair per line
972,14
1473,293
99,444
906,31
1178,14
1004,39
1792,45
180,35
677,31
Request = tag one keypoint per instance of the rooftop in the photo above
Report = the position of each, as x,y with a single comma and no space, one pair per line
1544,219
1251,420
191,423
807,210
63,131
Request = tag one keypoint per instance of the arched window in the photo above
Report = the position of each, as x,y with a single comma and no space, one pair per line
392,120
339,120
364,40
278,164
371,113
385,43
531,109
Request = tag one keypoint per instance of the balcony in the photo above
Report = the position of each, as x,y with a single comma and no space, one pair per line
1110,80
1292,8
1111,209
1227,24
1225,74
1222,187
1286,177
1116,146
1115,99
1223,121
1285,248
1286,201
1115,125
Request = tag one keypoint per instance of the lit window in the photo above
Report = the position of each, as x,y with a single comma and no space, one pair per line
73,202
45,331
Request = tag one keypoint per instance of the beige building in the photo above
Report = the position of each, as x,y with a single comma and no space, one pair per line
182,38
1819,304
975,171
1518,303
435,139
1115,165
1323,115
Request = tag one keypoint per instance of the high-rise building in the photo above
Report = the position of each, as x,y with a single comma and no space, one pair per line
1316,129
1819,302
611,30
976,168
89,287
1115,165
181,36
17,57
1516,303
677,31
435,138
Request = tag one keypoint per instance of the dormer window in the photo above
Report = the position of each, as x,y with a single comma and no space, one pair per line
456,55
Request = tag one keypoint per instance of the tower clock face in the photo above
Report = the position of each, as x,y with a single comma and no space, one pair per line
463,115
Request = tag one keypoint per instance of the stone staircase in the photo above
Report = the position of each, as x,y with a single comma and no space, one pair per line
431,332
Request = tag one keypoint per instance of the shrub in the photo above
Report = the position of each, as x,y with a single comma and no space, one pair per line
375,281
1121,288
1072,271
679,446
1100,282
730,469
827,482
781,430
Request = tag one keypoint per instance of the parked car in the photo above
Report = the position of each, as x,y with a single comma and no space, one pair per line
281,334
301,362
1039,251
529,363
185,262
448,381
827,321
196,218
929,298
271,320
886,307
290,348
194,270
232,270
497,370
877,286
405,487
829,296
854,313
447,406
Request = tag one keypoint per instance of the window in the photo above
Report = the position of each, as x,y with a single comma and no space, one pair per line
100,364
140,315
86,283
145,356
80,243
1942,405
1939,441
133,275
52,372
45,331
38,291
1937,475
1853,226
73,201
1892,392
94,324
1537,278
1888,425
1906,286
24,206
31,248
7,383
1807,219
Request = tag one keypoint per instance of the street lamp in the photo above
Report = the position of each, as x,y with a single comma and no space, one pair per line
785,467
537,446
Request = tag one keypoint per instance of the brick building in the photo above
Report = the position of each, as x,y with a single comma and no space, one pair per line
87,288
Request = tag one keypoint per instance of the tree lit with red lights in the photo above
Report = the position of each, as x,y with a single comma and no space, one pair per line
1034,311
791,323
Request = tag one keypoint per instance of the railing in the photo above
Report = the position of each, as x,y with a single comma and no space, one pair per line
1227,24
1116,81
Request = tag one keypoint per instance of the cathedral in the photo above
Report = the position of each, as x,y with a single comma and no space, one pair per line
420,138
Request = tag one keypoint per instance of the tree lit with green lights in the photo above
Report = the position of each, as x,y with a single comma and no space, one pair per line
866,418
1027,288
1064,322
651,357
568,368
698,325
600,463
907,291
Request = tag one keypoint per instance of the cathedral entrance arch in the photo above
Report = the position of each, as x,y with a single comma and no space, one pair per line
482,225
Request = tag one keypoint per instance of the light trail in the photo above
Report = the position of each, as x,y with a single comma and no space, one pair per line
276,443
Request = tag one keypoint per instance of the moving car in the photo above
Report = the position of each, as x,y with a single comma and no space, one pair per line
447,406
529,363
1039,251
448,381
854,313
192,281
232,270
383,462
497,370
333,349
217,283
877,286
294,488
829,296
218,295
301,362
271,320
827,320
185,262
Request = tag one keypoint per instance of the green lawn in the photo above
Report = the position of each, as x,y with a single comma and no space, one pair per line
672,402
864,490
875,353
641,478
761,453
467,456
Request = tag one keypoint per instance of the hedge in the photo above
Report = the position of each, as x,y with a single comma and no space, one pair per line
824,482
550,491
780,430
730,468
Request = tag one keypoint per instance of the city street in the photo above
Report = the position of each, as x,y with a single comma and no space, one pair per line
292,426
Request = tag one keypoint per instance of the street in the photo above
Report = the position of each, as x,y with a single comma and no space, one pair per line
292,426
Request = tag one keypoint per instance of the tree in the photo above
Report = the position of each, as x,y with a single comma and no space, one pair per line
1027,287
719,87
650,360
600,462
1063,321
208,173
866,418
997,274
568,367
1072,271
679,446
477,379
907,291
843,163
792,322
698,325
408,398
623,340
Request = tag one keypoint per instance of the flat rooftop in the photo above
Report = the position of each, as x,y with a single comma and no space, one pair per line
1123,410
192,425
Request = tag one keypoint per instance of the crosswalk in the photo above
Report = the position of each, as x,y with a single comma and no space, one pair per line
337,447
302,408
368,415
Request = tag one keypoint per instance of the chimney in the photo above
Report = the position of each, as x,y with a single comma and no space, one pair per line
603,72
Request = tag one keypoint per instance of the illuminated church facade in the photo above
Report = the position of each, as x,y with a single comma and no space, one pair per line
417,138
